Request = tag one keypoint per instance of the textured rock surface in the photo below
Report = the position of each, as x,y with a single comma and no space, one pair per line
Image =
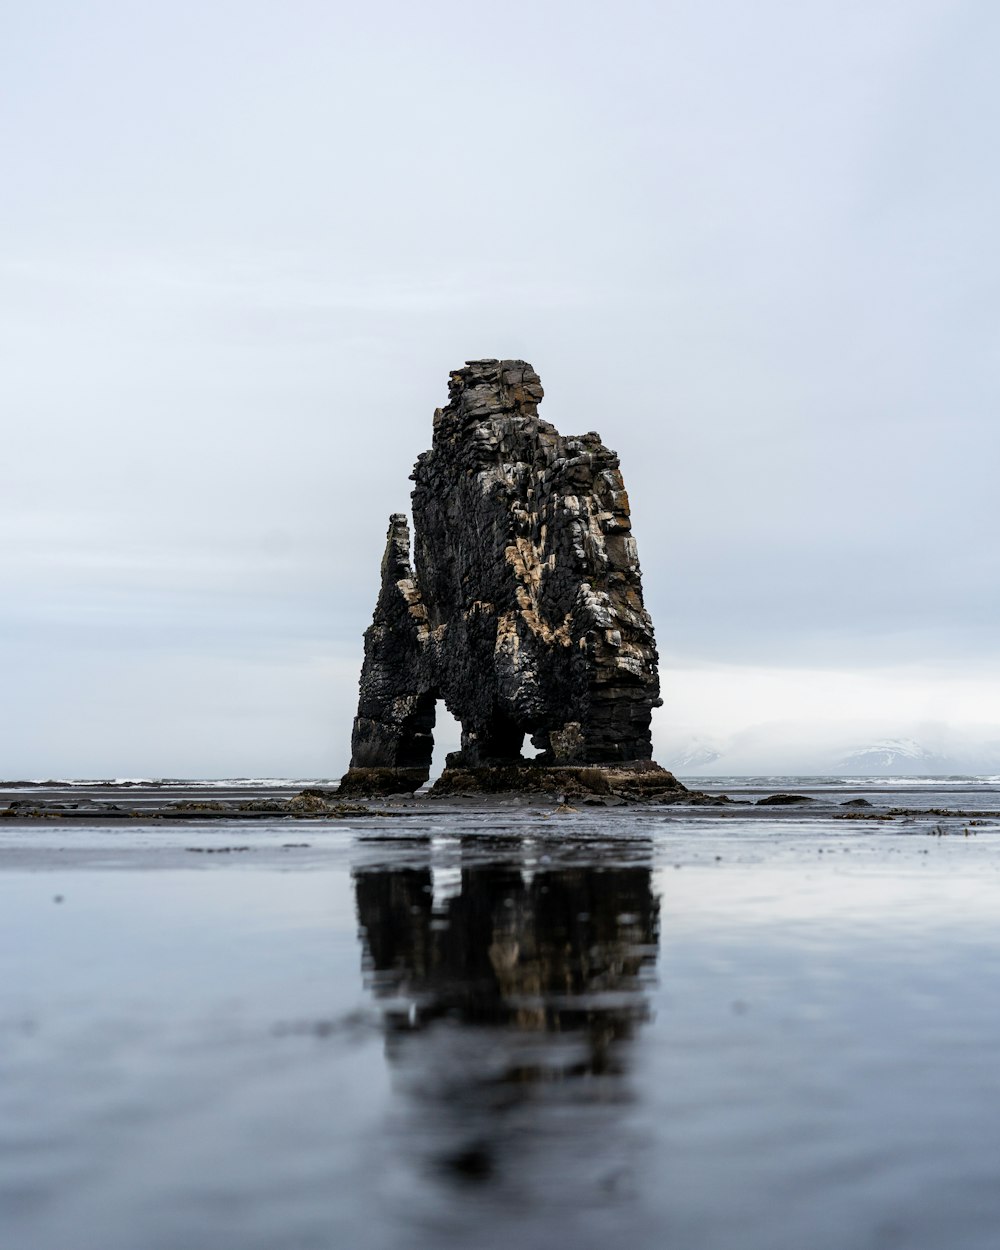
524,610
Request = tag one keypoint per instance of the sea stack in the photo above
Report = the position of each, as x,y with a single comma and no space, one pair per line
522,610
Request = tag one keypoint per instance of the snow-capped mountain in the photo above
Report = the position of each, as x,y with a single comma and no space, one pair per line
798,748
697,754
894,755
802,749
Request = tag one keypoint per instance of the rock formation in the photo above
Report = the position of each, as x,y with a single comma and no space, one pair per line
522,609
558,950
541,978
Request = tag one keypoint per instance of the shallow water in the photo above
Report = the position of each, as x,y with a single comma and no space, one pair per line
468,1027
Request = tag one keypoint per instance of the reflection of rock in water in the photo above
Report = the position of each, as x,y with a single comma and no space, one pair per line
500,994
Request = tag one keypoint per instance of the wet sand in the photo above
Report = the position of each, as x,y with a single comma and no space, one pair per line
476,1025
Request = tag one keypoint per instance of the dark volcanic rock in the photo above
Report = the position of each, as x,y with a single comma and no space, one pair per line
523,609
631,780
783,800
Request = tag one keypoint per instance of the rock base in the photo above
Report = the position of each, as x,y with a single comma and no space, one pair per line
640,780
381,781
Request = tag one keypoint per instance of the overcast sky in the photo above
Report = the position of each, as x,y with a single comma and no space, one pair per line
242,245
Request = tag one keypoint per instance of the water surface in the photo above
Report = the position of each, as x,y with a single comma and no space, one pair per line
514,1026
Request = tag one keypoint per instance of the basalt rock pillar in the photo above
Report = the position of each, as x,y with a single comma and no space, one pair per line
522,609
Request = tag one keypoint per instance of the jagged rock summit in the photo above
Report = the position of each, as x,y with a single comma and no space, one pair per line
522,610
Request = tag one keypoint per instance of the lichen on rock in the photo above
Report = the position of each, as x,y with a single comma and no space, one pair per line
522,608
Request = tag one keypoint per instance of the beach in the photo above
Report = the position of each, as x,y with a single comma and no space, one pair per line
477,1023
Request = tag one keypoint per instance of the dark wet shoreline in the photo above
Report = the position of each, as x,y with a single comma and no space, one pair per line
129,803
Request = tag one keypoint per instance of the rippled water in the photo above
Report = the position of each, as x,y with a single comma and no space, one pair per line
518,1026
